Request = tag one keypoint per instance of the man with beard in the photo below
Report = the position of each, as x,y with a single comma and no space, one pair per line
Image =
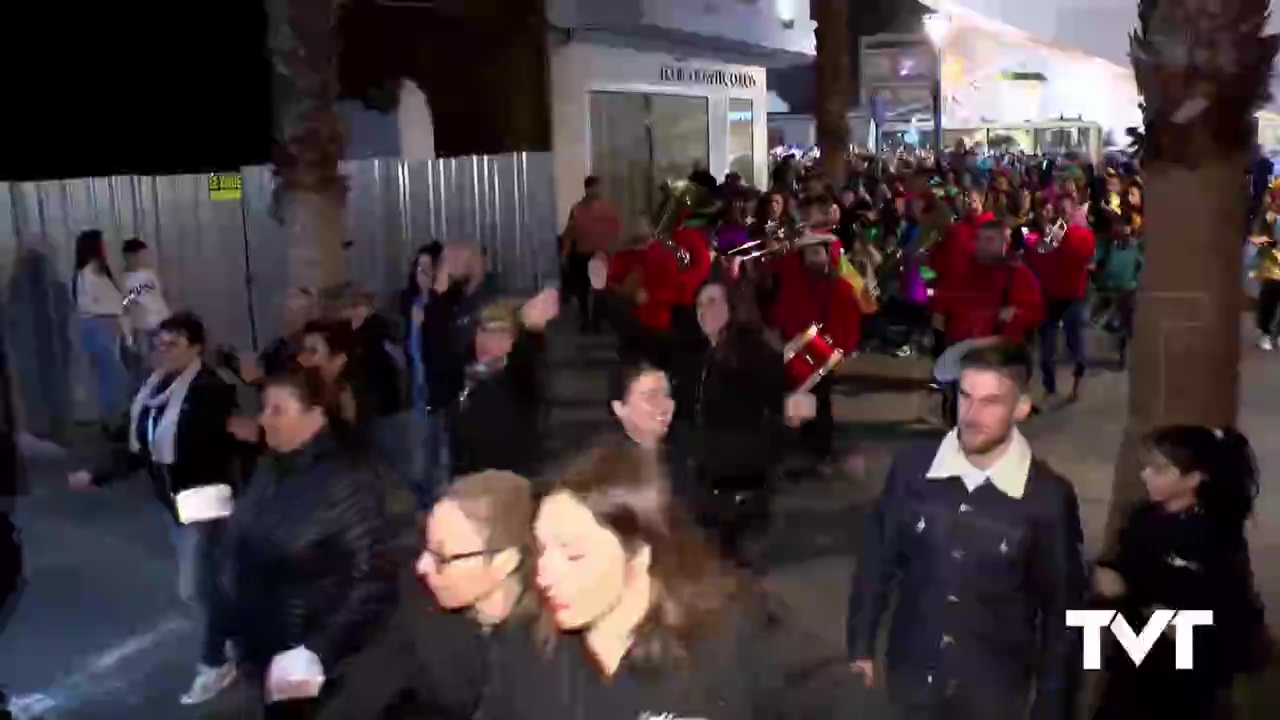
983,544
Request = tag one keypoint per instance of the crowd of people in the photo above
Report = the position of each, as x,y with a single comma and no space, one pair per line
371,523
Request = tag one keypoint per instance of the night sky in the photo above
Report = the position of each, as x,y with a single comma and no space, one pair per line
133,87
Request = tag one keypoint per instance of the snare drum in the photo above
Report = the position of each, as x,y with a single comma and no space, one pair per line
808,358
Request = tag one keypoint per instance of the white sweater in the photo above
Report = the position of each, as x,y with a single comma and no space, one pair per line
96,295
144,299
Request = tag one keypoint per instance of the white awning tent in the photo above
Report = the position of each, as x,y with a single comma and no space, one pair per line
1097,28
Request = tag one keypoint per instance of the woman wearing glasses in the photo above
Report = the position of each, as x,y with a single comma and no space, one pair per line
177,433
432,660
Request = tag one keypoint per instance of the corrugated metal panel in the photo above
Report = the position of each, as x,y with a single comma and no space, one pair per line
227,261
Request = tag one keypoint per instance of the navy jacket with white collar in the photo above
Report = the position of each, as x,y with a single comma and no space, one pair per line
984,579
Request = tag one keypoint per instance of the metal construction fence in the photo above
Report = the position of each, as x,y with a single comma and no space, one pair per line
222,255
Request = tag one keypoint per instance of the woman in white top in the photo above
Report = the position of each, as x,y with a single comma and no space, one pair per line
144,304
100,308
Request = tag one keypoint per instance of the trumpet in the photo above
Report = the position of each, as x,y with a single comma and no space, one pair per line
780,241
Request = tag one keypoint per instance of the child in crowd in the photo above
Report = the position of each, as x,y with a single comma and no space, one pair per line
1119,265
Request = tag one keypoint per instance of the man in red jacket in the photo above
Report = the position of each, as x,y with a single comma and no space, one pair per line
811,290
1062,264
647,274
951,255
996,296
695,244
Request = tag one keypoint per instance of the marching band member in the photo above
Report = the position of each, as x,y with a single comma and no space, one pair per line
692,247
812,291
997,296
1062,260
950,256
647,275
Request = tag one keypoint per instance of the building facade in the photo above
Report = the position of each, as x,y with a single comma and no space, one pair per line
644,91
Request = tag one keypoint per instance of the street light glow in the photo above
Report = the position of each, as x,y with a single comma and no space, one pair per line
937,26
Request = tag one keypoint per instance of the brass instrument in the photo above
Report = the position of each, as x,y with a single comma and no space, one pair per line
679,197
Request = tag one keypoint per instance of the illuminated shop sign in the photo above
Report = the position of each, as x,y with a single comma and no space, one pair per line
709,76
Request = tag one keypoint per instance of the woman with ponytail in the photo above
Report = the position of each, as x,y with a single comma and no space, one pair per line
1185,549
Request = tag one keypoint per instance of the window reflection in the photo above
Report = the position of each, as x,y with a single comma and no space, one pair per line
742,148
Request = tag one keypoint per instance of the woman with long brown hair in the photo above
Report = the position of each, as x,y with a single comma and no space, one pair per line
731,400
640,619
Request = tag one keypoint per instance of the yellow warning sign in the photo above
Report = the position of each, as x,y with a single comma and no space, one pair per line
225,186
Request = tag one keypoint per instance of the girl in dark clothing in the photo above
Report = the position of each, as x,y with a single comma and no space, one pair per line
640,620
1185,549
432,659
312,551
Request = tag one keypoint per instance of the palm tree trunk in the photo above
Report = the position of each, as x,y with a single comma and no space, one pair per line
310,193
833,86
1203,70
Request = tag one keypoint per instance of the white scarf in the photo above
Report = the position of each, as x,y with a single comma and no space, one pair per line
163,431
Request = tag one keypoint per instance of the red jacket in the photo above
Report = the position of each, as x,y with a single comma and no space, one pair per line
696,242
804,299
949,256
1064,271
971,305
659,273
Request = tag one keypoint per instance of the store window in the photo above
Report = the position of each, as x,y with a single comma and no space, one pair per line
742,146
640,141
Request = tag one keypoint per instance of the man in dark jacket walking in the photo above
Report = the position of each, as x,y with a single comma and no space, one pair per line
983,542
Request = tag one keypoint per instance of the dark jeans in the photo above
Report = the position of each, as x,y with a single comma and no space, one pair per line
1157,694
1268,305
733,510
578,286
1071,315
949,700
817,436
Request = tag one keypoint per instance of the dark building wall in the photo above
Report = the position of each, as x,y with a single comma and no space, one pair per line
795,84
484,72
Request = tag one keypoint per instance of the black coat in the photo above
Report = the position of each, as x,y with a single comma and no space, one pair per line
754,665
983,584
1182,561
729,403
729,400
375,371
204,452
426,662
311,555
494,419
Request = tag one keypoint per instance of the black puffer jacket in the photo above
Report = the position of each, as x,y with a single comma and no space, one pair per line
311,555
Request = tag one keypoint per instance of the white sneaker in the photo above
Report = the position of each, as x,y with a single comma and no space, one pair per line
1266,344
208,683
